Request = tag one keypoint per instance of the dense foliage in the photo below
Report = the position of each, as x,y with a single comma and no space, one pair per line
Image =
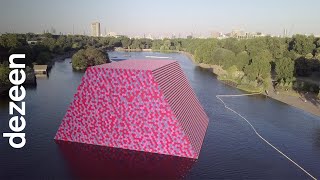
256,58
88,57
285,69
4,74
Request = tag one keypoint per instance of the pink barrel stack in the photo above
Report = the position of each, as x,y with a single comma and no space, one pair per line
141,105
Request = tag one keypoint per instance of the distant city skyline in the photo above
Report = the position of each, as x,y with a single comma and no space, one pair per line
160,18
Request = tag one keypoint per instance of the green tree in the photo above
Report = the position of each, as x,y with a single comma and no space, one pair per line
11,41
126,42
228,58
232,44
136,44
79,61
309,56
47,35
242,59
43,58
89,57
30,36
232,71
156,44
63,43
255,46
285,69
167,45
290,54
204,53
276,46
76,45
191,45
29,55
317,53
4,74
302,44
318,43
177,44
95,56
303,67
146,43
50,43
259,68
114,42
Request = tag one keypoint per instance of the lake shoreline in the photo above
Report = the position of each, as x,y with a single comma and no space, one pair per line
311,106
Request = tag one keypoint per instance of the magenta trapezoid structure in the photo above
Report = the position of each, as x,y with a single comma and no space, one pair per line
142,105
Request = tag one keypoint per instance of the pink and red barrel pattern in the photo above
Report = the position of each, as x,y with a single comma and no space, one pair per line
128,105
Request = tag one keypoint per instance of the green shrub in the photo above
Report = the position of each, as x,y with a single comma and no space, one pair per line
305,86
4,73
88,57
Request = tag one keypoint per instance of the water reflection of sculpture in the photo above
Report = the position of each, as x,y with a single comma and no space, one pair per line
96,162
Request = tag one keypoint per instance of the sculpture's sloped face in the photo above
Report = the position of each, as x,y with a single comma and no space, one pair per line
124,109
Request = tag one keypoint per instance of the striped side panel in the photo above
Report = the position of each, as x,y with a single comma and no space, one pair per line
184,103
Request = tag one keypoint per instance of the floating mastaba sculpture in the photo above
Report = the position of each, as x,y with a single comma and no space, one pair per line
142,105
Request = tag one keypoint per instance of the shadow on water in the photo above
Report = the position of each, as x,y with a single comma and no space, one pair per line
209,70
4,96
31,87
118,59
101,162
43,76
4,99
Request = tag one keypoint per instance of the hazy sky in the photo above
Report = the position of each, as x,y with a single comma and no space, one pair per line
135,17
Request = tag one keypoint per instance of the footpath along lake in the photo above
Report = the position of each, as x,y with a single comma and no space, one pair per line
230,150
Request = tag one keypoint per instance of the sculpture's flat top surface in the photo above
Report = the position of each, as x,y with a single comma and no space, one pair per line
136,64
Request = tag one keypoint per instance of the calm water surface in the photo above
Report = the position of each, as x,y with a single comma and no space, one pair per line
230,149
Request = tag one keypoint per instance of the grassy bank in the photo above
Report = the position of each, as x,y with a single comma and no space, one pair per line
312,105
243,87
217,70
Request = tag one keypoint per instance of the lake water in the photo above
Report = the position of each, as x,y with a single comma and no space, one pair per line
230,150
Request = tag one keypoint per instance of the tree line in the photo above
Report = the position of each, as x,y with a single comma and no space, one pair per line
257,59
42,47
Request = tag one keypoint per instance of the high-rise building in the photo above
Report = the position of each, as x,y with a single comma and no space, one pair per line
95,29
285,33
